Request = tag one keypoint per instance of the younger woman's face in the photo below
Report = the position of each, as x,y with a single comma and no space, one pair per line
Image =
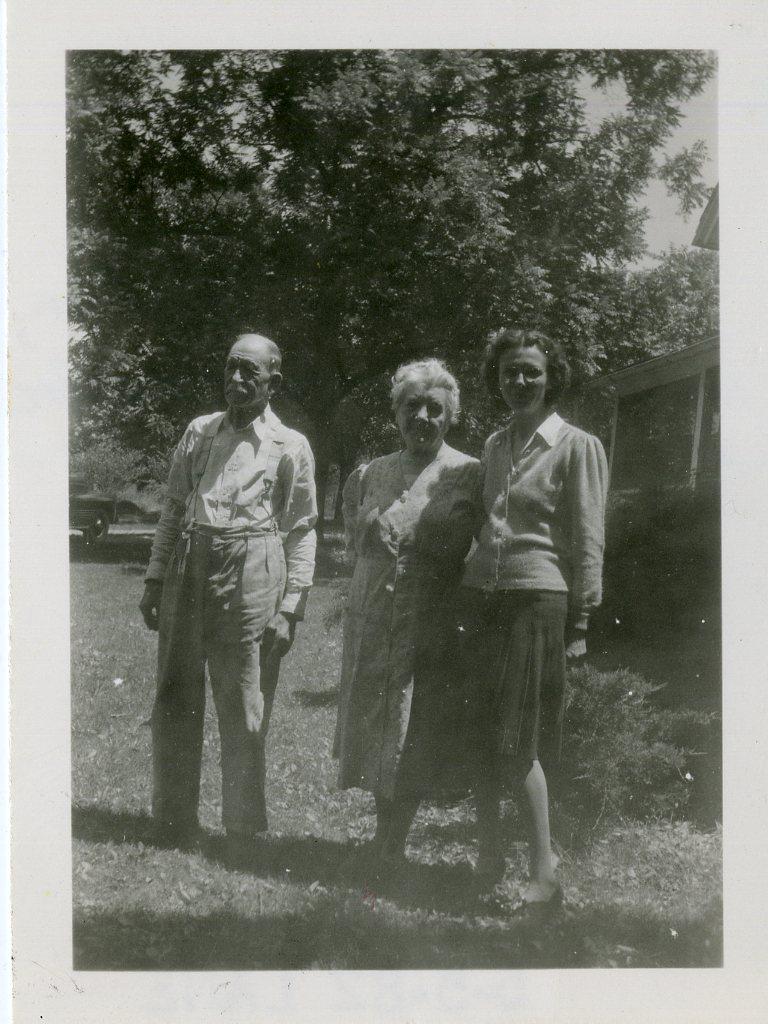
523,379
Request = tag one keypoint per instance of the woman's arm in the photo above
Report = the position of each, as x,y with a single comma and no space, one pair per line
178,489
351,497
587,489
478,504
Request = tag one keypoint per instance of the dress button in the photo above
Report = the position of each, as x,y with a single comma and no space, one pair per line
389,588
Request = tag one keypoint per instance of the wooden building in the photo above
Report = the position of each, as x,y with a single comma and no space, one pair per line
660,419
660,423
662,427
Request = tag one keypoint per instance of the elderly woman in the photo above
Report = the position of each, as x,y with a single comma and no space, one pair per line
529,588
409,520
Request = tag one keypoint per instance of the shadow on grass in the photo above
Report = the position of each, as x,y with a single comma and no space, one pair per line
342,926
115,549
223,941
447,832
306,858
317,698
354,935
101,825
298,859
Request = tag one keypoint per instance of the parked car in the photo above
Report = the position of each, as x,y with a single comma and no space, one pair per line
89,512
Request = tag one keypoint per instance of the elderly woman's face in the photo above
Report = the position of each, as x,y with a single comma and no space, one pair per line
523,379
423,416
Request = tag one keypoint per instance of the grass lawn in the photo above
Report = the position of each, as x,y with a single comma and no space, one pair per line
638,895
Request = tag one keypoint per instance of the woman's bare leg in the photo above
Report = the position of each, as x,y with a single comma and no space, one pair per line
543,884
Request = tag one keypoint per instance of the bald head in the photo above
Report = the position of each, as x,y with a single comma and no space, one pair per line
259,349
251,376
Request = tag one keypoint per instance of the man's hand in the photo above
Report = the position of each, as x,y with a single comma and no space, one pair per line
253,702
149,605
278,636
576,647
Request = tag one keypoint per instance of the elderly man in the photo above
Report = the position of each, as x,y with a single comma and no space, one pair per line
231,566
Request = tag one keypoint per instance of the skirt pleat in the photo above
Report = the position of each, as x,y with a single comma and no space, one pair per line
513,652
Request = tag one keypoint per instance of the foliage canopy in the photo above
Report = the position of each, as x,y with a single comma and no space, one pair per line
361,207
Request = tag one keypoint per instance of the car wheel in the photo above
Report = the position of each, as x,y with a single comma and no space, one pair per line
98,529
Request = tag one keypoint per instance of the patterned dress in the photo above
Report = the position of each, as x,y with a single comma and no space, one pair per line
400,700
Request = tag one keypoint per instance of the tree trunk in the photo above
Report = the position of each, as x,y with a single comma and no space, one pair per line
345,468
322,468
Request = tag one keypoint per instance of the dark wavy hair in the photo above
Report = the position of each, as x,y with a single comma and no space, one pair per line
558,368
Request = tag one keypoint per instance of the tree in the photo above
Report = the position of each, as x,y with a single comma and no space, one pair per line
362,207
663,308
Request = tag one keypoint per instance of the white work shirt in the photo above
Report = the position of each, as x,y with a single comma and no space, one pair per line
223,485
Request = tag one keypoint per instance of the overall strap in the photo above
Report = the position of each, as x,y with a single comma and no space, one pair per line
200,459
267,462
202,452
261,462
274,455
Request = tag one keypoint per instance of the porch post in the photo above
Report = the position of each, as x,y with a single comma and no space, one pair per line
614,423
697,431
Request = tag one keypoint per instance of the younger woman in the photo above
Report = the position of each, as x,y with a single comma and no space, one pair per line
529,588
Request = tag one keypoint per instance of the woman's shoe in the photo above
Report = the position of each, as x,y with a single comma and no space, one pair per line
541,894
512,899
544,893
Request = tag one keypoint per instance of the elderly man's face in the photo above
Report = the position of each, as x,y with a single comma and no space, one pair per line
423,417
248,380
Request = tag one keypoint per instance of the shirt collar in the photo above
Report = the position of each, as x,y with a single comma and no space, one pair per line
261,425
549,430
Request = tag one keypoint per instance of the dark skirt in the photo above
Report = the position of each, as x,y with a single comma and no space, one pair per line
513,652
439,760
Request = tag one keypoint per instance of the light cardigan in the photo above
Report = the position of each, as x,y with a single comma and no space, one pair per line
543,526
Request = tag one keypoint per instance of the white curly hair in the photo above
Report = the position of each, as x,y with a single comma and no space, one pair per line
432,373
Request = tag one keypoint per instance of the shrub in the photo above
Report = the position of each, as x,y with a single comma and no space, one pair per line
135,479
143,504
623,757
107,466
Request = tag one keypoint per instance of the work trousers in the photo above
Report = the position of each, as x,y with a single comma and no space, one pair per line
220,591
